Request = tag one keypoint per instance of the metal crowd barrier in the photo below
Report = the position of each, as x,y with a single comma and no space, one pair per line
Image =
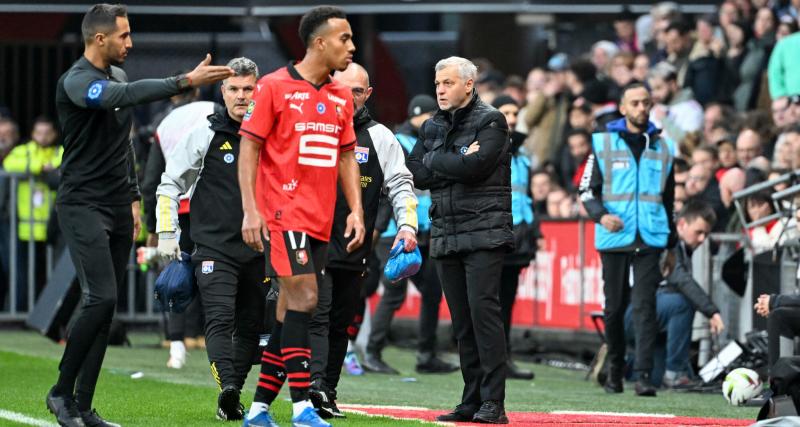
135,301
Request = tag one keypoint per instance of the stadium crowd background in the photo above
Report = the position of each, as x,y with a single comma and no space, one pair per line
725,86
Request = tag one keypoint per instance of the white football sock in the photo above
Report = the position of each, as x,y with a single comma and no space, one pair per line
299,407
257,408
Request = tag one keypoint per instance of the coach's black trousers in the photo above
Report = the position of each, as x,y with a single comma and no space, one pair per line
99,239
471,285
338,299
642,296
427,282
233,298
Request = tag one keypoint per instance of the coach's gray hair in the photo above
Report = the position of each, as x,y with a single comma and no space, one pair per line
466,69
663,71
243,67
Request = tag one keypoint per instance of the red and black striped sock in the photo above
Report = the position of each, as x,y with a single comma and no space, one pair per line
273,371
297,353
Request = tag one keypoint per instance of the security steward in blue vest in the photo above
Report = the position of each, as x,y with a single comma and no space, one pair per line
628,190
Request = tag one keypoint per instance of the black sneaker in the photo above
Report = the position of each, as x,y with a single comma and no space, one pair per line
65,410
434,365
491,412
462,413
325,404
93,419
228,406
373,363
645,387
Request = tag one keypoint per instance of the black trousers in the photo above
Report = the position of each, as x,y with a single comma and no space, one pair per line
642,296
471,284
339,296
233,297
509,282
99,239
427,282
781,322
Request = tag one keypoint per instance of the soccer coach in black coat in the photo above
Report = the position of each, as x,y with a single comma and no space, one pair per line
463,158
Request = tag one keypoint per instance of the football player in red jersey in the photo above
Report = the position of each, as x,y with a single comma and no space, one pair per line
297,136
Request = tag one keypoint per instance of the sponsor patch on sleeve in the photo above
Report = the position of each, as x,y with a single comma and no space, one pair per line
250,109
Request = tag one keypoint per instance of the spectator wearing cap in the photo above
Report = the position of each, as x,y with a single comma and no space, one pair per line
625,31
675,110
597,94
525,228
784,67
546,114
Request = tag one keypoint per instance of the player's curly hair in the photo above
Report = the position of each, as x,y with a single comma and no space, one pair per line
315,19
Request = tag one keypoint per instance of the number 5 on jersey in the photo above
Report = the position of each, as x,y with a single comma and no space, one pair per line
318,150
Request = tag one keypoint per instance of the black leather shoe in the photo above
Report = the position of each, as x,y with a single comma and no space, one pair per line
613,383
93,419
645,387
373,363
515,373
491,412
434,365
228,406
462,413
65,410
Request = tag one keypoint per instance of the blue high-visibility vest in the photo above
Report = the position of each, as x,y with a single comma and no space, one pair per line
521,202
633,191
423,197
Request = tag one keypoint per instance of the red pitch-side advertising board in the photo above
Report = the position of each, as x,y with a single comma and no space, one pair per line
559,290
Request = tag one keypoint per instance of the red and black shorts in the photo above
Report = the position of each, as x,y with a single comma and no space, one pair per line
292,253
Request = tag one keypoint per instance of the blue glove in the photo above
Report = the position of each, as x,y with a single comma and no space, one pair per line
176,285
402,264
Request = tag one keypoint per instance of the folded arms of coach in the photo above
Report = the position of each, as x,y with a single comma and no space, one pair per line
445,162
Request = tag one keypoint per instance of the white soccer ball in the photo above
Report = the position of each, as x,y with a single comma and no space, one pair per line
741,385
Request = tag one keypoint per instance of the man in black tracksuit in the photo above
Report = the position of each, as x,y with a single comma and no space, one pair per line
229,273
628,189
98,197
463,157
382,165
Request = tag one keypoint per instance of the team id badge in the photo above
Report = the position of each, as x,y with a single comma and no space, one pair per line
207,267
362,154
301,257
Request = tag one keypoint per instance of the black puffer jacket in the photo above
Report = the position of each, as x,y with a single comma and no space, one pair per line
471,194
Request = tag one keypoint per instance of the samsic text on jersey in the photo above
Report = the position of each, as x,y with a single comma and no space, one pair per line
302,129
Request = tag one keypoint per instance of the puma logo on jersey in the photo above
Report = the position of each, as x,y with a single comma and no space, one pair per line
296,107
226,146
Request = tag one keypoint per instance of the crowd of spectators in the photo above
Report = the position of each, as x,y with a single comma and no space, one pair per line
725,92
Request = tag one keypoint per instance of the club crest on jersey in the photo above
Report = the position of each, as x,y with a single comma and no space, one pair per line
207,267
321,108
464,149
301,257
228,158
250,109
362,154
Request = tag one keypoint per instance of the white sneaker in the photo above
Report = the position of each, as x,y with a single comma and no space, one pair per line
177,355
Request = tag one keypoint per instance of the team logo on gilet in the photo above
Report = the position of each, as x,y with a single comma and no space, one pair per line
301,257
207,267
228,158
362,154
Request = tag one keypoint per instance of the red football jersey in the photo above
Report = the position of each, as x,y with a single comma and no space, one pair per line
302,129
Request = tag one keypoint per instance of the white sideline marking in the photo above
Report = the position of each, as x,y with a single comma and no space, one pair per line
24,419
401,408
613,414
